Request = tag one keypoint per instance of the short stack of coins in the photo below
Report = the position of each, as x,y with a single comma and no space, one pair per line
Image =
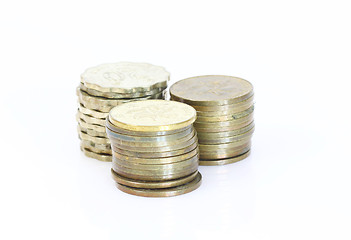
224,123
106,86
155,148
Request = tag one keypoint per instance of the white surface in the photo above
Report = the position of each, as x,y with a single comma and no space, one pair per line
296,183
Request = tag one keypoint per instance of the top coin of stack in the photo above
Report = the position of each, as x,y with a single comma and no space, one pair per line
106,86
224,123
155,150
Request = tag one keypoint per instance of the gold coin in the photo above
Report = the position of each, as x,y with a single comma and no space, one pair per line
91,132
236,107
152,184
115,95
228,153
211,90
224,161
95,149
215,135
154,175
161,160
155,154
90,120
228,117
227,139
167,192
161,144
157,149
152,115
86,99
159,167
94,127
222,129
117,130
215,147
101,147
93,113
231,123
101,157
99,140
125,77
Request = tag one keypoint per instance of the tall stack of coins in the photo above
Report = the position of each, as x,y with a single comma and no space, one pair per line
224,123
155,148
109,85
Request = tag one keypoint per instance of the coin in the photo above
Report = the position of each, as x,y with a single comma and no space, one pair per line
230,123
211,90
227,139
159,149
152,184
101,157
155,154
157,140
152,115
117,130
167,192
90,119
215,135
219,118
94,127
115,95
169,166
99,140
227,153
154,144
222,129
95,149
93,113
237,107
125,77
224,161
101,147
161,160
215,147
91,132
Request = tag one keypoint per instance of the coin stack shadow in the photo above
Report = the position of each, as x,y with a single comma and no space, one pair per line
154,160
224,121
95,101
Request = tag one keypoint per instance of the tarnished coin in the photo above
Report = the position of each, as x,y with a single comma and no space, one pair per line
161,160
169,166
152,184
148,139
93,113
94,127
101,157
224,161
219,118
91,132
227,153
152,115
216,147
155,154
115,95
90,119
167,192
152,144
236,107
159,149
212,129
131,133
96,149
239,137
99,140
246,119
215,135
211,90
125,77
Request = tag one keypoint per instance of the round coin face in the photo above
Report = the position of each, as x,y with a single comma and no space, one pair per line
211,90
125,77
152,115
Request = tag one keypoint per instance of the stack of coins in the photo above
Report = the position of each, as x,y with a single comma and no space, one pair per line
109,85
224,123
155,148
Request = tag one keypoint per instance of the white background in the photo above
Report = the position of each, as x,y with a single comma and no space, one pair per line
295,184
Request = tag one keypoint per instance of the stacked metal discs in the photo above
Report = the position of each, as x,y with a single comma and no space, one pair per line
155,148
109,85
224,123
